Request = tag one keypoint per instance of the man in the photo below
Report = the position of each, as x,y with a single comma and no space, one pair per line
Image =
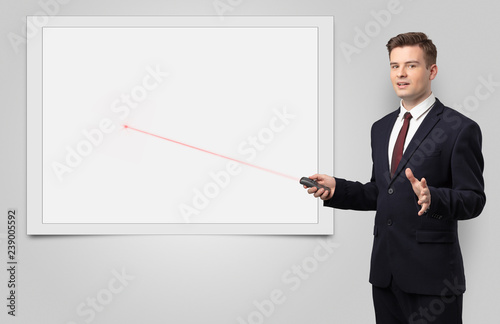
416,267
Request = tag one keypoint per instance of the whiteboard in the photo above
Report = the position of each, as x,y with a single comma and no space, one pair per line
185,125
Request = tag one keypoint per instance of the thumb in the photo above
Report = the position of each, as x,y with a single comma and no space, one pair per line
314,176
410,176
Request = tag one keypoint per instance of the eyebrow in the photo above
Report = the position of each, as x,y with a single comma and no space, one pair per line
405,62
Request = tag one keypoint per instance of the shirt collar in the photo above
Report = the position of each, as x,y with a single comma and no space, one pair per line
418,110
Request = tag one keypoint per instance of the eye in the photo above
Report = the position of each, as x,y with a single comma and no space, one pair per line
394,67
412,66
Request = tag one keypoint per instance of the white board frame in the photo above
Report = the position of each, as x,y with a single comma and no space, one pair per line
324,126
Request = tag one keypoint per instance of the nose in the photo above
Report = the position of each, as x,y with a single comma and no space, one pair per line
401,72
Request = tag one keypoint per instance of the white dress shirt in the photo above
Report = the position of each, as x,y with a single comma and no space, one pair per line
418,114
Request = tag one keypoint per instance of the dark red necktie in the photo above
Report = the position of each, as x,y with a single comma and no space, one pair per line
397,154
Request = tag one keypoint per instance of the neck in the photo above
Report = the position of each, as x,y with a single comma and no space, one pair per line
410,104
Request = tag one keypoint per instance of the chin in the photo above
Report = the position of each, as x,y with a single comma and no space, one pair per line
402,94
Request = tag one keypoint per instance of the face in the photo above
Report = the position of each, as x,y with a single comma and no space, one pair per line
410,77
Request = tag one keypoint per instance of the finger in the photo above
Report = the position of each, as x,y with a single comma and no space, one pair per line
424,183
319,192
312,190
423,209
425,195
326,195
424,198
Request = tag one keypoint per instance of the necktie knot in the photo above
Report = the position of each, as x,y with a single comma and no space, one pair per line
407,116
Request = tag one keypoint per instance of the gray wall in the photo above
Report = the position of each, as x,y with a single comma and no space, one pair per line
218,279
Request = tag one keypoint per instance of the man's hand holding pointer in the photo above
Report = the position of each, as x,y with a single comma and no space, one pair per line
324,180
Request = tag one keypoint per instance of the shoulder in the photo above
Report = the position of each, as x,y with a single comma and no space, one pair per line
386,121
452,119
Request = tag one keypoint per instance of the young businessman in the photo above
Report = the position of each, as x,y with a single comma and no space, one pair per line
417,270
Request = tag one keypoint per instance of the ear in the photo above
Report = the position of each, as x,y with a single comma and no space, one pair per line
434,70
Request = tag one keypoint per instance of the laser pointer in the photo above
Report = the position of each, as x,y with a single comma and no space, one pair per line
311,183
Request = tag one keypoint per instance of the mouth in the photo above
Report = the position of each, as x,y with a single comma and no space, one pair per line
402,85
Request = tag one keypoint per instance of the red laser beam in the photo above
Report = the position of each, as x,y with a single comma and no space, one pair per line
213,153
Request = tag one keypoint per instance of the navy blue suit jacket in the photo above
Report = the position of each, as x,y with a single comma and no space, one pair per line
421,253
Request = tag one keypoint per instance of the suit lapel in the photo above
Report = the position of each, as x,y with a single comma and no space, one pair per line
425,128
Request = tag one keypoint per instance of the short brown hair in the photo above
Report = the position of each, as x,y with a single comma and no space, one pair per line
411,39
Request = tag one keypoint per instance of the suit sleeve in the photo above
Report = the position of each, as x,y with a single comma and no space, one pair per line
466,198
354,195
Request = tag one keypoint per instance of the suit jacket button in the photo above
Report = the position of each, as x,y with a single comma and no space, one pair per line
389,222
390,191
